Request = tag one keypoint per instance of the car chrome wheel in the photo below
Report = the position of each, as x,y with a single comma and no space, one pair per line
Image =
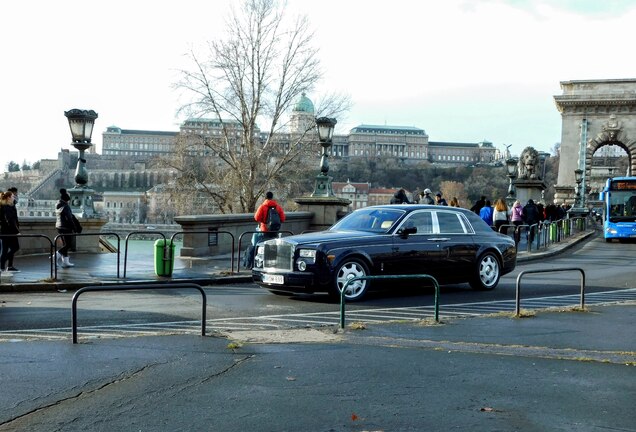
488,272
349,270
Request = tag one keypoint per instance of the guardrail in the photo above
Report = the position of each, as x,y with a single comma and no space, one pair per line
525,272
414,276
97,288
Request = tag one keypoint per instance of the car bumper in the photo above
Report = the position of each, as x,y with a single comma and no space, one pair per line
299,282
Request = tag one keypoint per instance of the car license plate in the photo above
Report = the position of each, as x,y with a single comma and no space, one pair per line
273,279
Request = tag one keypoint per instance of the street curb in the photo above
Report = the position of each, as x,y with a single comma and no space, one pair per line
534,256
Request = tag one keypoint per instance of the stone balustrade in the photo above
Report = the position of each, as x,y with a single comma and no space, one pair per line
33,228
205,235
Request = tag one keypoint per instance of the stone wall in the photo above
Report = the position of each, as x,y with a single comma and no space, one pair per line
38,233
205,235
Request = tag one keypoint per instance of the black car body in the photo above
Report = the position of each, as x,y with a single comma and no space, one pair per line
451,244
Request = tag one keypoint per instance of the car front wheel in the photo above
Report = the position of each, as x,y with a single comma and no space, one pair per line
348,270
487,272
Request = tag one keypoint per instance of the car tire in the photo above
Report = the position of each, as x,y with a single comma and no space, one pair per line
487,273
349,269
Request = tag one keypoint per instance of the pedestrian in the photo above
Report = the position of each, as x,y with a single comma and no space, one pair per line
454,202
9,224
478,204
531,217
516,217
266,214
486,213
66,224
500,216
439,200
427,198
400,197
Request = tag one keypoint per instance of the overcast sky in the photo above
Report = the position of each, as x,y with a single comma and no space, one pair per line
462,70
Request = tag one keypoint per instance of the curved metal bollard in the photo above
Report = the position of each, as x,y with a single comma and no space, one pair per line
415,276
132,288
525,272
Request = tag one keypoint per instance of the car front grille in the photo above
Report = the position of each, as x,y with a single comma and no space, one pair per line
279,255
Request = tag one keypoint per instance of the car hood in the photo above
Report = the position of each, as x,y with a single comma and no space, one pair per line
322,237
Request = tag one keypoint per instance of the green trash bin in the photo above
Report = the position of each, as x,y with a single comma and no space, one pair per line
553,232
164,257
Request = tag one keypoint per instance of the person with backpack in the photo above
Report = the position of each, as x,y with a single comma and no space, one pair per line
270,215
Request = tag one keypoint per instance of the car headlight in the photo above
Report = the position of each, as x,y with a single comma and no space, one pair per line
307,255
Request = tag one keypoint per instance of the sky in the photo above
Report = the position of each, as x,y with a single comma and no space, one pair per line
462,70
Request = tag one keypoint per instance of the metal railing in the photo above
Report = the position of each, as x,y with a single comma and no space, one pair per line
359,278
57,237
208,233
51,247
96,288
564,269
132,233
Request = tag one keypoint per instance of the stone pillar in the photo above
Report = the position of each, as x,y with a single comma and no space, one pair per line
529,189
326,210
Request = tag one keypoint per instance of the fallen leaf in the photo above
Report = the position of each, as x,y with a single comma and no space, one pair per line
488,409
354,417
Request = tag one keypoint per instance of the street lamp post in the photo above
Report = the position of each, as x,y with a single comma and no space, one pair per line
81,123
511,168
578,198
323,187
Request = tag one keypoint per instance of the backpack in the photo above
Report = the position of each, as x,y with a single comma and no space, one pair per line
273,219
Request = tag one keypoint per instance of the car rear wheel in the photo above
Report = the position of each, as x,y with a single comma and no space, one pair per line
348,270
487,273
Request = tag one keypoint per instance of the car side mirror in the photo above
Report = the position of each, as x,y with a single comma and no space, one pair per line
405,232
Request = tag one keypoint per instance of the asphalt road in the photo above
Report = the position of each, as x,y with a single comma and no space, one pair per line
555,371
608,266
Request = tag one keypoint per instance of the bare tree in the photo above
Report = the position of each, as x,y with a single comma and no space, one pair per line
252,77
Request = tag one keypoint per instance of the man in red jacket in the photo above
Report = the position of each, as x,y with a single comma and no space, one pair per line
261,213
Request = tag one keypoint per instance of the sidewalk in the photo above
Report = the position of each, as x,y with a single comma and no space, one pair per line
101,269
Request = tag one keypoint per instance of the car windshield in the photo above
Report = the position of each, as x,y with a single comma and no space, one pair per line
370,220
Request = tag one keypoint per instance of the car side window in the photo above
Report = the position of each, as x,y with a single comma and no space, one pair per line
449,223
422,220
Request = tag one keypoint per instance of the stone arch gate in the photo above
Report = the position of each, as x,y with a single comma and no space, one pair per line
594,113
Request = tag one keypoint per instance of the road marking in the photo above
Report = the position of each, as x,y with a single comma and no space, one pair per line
317,319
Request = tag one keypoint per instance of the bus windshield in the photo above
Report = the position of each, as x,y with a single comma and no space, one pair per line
622,205
619,199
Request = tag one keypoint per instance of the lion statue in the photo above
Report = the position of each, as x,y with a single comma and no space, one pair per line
528,166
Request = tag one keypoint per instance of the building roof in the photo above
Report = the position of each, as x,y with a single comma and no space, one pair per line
360,187
459,144
116,130
304,104
409,130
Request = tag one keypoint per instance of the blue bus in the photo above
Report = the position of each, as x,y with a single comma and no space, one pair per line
619,208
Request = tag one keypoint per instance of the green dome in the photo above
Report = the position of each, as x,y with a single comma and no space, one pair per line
304,104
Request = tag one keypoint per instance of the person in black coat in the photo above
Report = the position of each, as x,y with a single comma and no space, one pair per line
400,197
531,217
9,224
